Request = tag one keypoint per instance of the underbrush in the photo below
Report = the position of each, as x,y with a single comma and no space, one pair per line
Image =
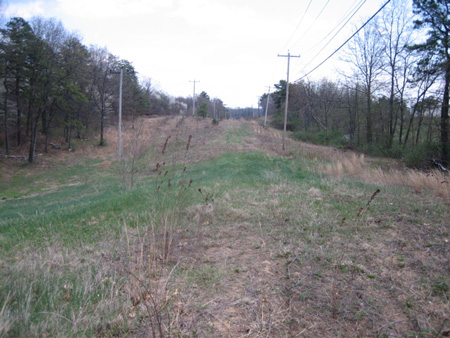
335,139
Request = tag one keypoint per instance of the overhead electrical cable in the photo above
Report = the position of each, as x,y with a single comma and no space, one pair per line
309,28
350,12
347,17
346,41
300,22
340,29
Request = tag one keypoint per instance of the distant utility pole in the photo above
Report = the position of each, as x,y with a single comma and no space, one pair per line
119,128
193,98
289,56
267,107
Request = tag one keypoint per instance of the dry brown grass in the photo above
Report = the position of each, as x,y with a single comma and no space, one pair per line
357,166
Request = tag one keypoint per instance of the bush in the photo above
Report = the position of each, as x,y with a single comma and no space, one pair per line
382,150
278,122
421,156
328,138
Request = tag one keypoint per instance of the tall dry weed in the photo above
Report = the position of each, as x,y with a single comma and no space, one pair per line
356,166
147,281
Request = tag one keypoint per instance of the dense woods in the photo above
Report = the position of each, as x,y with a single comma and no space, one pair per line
394,102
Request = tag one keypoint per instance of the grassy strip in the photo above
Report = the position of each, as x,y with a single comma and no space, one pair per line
99,264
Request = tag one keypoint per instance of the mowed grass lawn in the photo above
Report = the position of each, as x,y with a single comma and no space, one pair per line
213,232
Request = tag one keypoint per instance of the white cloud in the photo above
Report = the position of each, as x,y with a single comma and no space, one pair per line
25,10
103,9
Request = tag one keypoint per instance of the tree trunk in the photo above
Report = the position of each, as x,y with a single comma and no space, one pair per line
419,125
402,121
369,134
102,127
411,120
28,119
46,140
19,124
391,111
6,120
444,118
430,127
47,132
33,142
358,125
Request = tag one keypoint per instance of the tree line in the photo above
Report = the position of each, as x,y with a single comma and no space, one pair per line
394,100
52,86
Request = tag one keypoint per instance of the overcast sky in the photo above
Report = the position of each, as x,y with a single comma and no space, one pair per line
230,46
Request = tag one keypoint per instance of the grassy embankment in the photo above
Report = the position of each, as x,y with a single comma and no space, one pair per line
213,232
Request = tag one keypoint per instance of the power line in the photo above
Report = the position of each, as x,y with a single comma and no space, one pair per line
320,64
349,12
340,29
345,17
309,28
296,28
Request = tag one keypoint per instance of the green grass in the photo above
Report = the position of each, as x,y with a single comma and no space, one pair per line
69,213
236,135
81,215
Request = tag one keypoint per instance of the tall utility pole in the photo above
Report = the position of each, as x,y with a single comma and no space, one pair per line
193,98
119,127
289,56
267,107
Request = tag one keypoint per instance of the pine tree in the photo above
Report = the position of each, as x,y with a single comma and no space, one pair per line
435,52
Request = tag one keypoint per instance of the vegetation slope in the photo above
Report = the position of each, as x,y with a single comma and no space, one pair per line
211,231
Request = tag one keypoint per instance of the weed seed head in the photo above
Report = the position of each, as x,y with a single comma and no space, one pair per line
165,145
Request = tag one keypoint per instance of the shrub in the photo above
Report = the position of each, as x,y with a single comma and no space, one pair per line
328,138
421,156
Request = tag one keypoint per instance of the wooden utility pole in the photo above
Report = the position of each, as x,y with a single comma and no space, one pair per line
289,56
119,127
267,107
193,98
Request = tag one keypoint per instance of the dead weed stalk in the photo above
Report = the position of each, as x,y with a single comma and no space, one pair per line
149,247
148,281
362,210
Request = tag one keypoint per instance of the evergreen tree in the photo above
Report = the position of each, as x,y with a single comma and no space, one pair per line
435,52
203,110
